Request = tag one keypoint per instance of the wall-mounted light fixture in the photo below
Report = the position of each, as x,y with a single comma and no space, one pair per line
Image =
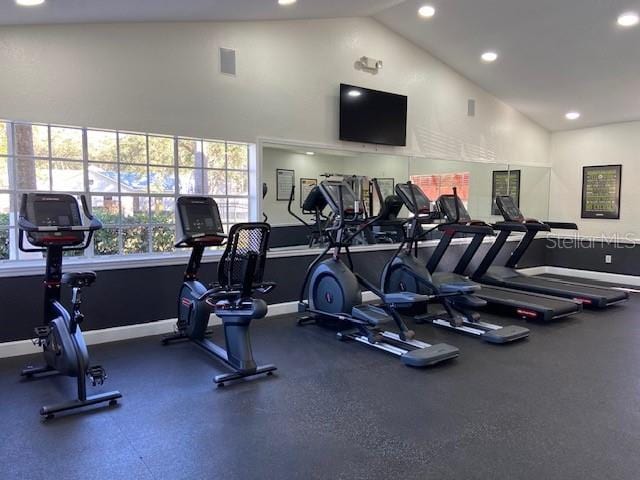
369,64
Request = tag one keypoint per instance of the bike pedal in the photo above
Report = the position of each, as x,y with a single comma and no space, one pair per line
97,375
42,334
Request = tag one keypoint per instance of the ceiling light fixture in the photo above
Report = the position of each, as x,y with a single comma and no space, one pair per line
489,57
310,153
426,11
284,3
628,19
29,3
572,115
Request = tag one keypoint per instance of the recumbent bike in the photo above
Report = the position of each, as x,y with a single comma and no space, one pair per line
54,225
334,294
240,273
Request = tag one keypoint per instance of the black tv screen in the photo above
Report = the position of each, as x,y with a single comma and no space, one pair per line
370,116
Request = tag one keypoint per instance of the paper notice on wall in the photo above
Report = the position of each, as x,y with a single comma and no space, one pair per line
284,183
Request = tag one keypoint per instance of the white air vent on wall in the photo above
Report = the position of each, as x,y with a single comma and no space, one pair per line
227,61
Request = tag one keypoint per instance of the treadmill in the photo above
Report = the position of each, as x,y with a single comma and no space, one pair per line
507,276
525,305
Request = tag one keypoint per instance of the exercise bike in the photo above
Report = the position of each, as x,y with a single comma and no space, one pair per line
54,225
240,274
406,273
335,295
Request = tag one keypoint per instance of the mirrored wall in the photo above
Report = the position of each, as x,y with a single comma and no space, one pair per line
287,166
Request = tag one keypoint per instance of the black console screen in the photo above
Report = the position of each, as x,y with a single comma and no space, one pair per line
53,214
509,209
201,218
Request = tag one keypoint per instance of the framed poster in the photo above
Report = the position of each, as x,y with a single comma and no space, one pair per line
505,182
601,191
284,183
306,185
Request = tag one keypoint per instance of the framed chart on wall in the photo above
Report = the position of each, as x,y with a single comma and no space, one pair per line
306,185
285,180
505,182
601,191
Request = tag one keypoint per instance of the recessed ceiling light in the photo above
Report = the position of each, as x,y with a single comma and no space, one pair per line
489,57
354,93
310,153
286,2
426,11
29,3
572,115
628,19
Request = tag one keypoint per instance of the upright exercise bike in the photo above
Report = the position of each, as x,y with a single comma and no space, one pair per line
455,292
240,273
54,225
334,292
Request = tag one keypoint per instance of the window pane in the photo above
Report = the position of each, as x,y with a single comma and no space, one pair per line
106,209
190,181
238,210
4,138
32,140
238,183
106,241
190,153
162,210
237,156
133,148
5,209
135,210
102,146
103,177
4,245
66,143
32,174
67,176
215,154
135,240
163,238
133,179
161,150
222,206
215,182
162,180
4,173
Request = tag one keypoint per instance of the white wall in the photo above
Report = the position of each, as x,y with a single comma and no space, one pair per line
605,145
163,78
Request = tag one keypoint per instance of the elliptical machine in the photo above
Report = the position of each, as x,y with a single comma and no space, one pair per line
240,274
335,295
406,273
53,223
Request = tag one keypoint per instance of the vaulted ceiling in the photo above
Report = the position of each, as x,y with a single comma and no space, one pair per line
555,56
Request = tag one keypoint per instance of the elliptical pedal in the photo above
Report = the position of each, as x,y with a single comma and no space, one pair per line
97,374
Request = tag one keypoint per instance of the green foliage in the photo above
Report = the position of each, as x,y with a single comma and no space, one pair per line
106,242
4,143
4,244
4,218
163,239
66,143
161,151
135,240
133,148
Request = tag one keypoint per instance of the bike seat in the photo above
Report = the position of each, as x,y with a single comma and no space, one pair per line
79,279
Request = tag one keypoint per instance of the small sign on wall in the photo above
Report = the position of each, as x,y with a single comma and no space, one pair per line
601,191
284,183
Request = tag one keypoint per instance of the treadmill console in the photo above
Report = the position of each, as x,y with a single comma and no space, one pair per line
199,221
414,198
53,210
334,192
509,209
447,204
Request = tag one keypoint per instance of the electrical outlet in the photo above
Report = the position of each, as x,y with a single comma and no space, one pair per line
608,259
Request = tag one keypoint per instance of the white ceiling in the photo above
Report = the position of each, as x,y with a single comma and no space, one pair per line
555,55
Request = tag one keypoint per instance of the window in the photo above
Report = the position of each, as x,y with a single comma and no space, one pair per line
131,181
442,183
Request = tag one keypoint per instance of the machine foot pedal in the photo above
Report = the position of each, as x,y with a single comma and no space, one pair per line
97,375
509,333
424,357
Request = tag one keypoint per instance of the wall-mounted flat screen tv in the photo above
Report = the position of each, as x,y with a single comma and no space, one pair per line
371,116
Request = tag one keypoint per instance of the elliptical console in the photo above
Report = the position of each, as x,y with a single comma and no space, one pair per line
53,224
240,273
